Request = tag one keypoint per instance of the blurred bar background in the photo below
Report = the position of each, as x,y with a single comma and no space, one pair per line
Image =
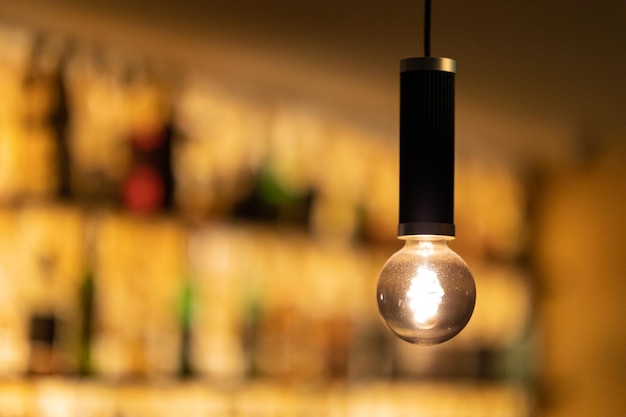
183,238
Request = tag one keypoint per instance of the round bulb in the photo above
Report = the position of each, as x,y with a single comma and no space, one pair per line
426,292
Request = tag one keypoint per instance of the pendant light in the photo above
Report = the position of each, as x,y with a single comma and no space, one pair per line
426,292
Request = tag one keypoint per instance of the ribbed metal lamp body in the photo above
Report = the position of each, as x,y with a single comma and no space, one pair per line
427,146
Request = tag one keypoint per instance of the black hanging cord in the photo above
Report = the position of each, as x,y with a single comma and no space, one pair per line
427,7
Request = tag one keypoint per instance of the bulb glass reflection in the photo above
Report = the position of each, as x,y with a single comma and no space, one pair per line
426,292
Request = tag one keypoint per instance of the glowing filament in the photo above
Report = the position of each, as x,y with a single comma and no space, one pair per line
425,294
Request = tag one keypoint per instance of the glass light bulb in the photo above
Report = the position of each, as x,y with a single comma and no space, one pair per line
426,292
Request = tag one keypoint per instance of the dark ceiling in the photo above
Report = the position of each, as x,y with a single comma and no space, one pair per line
534,79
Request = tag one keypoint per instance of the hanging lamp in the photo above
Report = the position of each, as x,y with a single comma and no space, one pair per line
426,292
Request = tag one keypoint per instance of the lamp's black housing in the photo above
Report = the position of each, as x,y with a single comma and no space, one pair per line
427,146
